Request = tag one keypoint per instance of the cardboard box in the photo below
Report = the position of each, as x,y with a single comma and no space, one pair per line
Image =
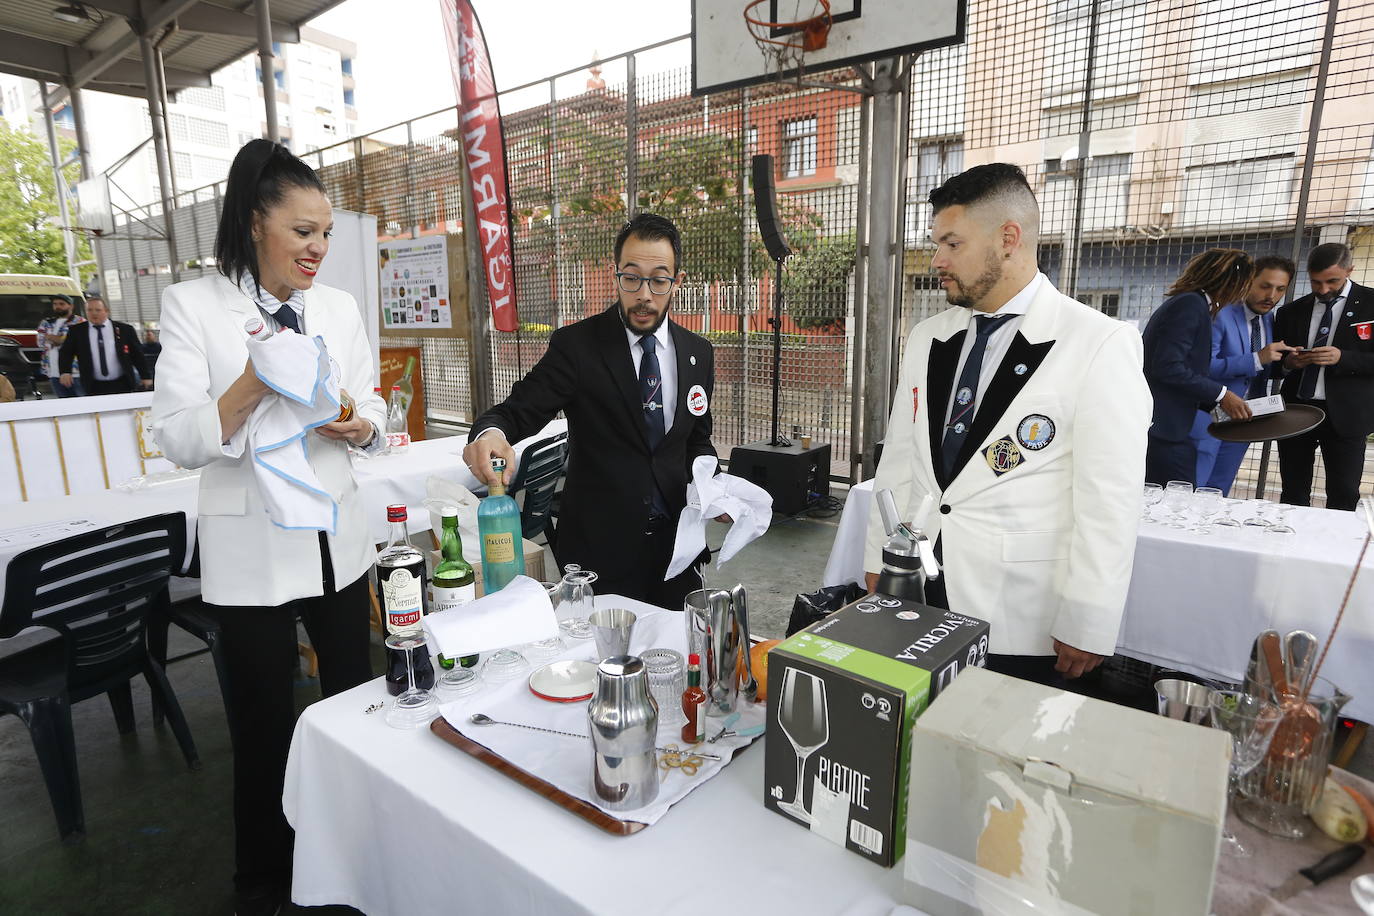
842,695
534,563
1259,407
1030,799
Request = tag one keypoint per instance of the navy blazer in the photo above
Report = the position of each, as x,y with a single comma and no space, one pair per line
1178,356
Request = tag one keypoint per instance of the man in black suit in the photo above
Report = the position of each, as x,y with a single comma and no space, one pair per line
636,389
1334,369
108,351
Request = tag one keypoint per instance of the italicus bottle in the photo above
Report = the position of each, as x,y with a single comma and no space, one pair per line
454,583
498,524
401,594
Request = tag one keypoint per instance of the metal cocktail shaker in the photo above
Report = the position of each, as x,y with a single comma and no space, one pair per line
718,631
624,726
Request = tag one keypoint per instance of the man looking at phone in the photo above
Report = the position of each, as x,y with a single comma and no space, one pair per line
1333,368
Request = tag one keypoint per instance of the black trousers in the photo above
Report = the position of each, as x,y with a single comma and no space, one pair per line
259,653
1342,456
1166,461
121,385
646,584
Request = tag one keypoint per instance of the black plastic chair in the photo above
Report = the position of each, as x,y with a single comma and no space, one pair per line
541,468
97,591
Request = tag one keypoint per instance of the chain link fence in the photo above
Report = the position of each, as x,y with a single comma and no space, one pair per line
1150,131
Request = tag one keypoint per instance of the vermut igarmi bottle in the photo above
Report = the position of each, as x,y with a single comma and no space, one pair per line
401,595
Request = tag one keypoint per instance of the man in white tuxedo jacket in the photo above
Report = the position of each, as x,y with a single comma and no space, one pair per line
1023,414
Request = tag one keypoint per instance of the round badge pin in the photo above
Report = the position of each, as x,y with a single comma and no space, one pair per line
1019,369
963,396
692,360
1035,432
959,428
696,400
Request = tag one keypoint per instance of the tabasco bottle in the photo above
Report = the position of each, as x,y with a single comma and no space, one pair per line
694,702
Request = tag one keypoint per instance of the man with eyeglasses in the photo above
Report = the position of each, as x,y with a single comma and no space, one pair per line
636,389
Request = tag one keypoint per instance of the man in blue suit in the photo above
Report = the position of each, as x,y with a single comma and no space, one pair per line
1245,358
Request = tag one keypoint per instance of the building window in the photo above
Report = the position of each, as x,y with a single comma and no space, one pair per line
346,65
348,96
936,163
751,138
1106,301
799,148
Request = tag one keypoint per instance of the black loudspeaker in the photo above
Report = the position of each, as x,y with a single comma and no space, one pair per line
795,477
766,209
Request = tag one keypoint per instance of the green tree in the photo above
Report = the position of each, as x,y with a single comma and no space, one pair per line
30,230
815,281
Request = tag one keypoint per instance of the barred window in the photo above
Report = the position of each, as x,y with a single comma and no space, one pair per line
799,147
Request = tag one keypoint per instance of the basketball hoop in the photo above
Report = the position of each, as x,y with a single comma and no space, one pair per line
788,42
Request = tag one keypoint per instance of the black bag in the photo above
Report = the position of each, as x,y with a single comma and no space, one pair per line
807,609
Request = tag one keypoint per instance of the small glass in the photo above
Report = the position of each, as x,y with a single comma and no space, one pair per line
1152,496
667,680
415,706
1258,520
578,601
1209,503
505,665
1251,721
1178,494
1280,524
1227,518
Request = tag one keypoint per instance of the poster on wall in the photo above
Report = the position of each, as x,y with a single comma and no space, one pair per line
414,285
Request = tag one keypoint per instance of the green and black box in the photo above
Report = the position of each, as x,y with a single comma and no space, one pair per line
843,695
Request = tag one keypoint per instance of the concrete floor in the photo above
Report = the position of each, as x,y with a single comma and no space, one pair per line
159,835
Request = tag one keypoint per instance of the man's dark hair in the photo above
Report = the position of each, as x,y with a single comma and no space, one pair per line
1000,185
1332,254
65,298
651,227
261,175
1276,262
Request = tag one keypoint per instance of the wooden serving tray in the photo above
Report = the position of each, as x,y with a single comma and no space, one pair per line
583,809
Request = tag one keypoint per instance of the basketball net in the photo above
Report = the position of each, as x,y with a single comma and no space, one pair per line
786,52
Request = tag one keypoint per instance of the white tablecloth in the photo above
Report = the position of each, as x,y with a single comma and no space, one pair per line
1196,602
400,822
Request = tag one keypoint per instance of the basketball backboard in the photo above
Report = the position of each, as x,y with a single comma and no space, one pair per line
726,56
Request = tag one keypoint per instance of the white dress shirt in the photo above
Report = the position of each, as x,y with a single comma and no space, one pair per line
104,333
998,342
1317,311
667,368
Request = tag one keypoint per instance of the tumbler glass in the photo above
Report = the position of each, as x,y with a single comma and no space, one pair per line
667,681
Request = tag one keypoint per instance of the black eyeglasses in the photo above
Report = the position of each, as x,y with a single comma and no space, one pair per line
657,285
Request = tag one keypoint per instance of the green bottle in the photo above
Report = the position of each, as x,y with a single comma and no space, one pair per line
498,523
454,583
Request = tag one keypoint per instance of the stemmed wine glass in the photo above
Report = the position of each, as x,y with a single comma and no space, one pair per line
1209,503
1177,495
802,715
1280,524
1258,520
1251,721
416,706
1228,514
545,649
1153,494
578,601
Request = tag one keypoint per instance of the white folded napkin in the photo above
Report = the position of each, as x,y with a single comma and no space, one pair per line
299,370
519,613
709,495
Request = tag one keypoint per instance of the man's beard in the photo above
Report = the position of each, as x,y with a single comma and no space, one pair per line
635,329
981,286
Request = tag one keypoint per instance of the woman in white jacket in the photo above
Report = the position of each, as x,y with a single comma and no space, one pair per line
257,577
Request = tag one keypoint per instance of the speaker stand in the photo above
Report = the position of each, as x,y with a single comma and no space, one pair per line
776,321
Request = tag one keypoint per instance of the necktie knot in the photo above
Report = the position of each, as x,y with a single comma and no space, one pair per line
648,343
286,317
986,325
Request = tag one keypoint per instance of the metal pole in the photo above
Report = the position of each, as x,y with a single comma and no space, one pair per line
166,117
1069,269
878,361
1314,129
899,208
269,77
83,140
479,341
59,185
859,471
164,170
410,183
747,284
631,140
362,180
554,215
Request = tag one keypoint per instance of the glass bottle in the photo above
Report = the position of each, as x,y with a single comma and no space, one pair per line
406,385
397,433
498,524
694,702
401,595
454,583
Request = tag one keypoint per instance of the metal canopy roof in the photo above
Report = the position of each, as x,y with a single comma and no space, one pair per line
198,37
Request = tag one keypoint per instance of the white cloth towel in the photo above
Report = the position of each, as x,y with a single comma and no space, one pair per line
519,613
306,385
709,495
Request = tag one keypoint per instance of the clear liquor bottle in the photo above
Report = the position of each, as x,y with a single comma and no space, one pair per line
397,432
401,595
454,583
498,524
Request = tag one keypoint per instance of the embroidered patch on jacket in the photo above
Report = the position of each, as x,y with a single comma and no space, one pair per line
1003,456
1035,432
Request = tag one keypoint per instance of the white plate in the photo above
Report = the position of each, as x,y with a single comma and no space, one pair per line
564,681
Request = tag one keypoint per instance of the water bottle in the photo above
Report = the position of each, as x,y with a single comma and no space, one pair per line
397,434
